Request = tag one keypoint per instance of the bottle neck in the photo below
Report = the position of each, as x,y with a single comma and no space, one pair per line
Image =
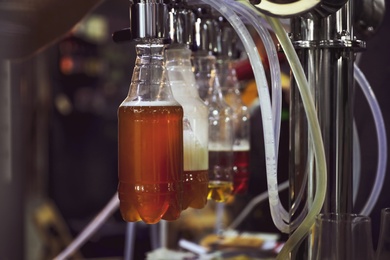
228,77
149,82
178,56
202,67
214,94
150,54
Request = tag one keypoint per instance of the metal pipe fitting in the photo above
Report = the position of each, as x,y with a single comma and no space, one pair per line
226,40
181,22
149,19
206,30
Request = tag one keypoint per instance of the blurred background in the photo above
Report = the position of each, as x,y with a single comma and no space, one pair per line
62,79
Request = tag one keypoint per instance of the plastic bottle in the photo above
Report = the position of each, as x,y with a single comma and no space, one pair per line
220,147
241,124
182,80
150,140
231,92
220,135
202,70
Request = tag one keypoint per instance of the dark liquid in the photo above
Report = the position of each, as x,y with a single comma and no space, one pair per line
221,165
150,142
195,189
241,173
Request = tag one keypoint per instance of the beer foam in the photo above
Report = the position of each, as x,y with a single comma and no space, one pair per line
195,155
150,103
218,147
242,145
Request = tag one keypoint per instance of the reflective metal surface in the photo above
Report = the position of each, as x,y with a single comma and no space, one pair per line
227,40
12,165
326,47
206,30
181,21
149,19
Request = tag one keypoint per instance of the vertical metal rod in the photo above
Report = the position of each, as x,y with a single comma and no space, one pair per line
5,123
11,166
325,48
163,233
154,236
130,238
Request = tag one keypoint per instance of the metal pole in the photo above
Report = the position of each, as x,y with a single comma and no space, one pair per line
11,163
326,47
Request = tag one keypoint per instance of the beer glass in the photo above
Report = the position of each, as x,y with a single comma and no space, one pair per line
383,250
342,237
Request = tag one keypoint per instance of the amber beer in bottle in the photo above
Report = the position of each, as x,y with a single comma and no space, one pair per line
150,138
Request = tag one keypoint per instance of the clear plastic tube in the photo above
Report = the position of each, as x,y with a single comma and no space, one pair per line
91,228
381,137
315,133
276,86
265,105
260,198
276,104
249,207
255,21
252,17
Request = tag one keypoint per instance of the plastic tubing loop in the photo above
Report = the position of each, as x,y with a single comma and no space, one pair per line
315,133
249,207
257,22
91,228
265,105
263,196
252,17
381,137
